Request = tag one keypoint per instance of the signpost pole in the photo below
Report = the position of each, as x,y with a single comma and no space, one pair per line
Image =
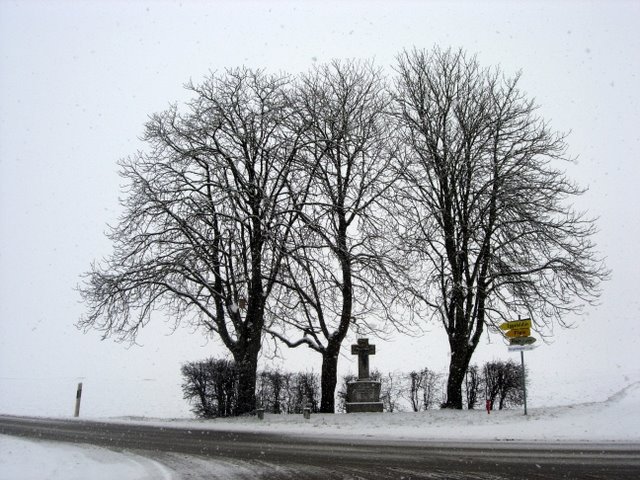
524,381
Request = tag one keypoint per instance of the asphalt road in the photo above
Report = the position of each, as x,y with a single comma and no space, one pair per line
208,454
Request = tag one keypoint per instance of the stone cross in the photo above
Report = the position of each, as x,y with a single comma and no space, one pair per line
363,350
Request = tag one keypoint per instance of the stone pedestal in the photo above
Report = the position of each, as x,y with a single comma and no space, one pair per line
363,396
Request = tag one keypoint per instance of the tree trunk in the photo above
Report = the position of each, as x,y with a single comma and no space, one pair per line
460,358
247,366
329,378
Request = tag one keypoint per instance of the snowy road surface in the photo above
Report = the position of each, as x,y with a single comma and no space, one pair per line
199,454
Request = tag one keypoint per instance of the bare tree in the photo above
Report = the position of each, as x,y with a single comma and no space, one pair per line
486,212
196,388
272,390
423,389
413,391
305,392
338,264
391,391
207,211
211,386
473,386
431,391
503,382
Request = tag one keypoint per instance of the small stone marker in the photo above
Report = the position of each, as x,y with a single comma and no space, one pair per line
306,412
363,395
260,412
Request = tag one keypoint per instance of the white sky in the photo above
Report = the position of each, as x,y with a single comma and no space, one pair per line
78,79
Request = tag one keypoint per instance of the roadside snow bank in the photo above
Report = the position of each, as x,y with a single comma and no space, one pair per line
35,460
617,419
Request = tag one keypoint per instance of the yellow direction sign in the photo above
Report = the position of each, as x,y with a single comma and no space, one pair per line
524,323
518,332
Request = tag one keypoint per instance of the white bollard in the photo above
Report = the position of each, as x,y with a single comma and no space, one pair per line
78,397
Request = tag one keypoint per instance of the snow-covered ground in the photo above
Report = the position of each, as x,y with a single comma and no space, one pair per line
615,420
34,460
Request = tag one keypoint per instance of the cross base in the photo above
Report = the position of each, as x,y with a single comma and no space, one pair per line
363,396
365,407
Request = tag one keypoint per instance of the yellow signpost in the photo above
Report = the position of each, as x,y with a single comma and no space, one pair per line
524,323
519,334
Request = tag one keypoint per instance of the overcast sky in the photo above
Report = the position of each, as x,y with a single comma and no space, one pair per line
78,79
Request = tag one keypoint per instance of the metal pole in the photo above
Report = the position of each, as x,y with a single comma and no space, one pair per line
78,398
524,381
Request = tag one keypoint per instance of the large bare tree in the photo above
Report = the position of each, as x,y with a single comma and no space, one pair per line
485,207
503,382
338,264
207,210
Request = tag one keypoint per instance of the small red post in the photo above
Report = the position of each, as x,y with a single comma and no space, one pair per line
488,406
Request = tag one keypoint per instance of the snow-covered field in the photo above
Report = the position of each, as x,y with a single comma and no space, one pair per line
615,420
